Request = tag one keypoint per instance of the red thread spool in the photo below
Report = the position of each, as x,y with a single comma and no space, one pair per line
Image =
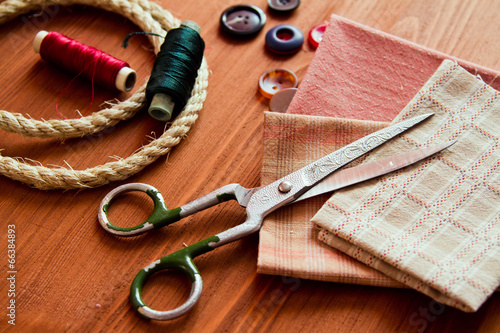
88,61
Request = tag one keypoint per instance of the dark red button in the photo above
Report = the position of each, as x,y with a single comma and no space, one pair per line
242,20
275,80
316,34
284,39
283,5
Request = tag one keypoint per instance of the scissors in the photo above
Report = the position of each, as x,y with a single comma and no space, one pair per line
258,202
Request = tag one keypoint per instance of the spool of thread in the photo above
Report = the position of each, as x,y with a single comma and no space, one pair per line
78,58
175,70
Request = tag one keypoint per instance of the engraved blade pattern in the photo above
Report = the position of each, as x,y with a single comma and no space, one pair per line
328,164
360,173
269,198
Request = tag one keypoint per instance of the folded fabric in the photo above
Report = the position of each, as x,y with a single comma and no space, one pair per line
375,91
434,226
288,240
362,73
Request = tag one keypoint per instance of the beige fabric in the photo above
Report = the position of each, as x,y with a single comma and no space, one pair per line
434,226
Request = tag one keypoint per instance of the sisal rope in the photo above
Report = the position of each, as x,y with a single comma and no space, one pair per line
149,17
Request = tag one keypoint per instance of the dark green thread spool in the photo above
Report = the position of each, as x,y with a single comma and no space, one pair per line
174,72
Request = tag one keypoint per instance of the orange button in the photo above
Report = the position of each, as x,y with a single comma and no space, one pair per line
275,80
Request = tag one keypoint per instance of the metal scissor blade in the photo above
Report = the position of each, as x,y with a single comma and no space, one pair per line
266,199
290,187
371,170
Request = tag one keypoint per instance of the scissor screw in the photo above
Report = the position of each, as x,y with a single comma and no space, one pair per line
285,187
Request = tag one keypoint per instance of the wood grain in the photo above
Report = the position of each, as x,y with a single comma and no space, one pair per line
73,276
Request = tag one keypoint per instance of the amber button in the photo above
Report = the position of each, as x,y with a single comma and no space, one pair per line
275,80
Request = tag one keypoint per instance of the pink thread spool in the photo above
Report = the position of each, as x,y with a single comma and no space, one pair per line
88,61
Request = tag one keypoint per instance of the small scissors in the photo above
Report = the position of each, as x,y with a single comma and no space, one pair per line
258,202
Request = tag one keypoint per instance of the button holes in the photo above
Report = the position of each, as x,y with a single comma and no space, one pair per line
242,20
275,80
280,82
285,34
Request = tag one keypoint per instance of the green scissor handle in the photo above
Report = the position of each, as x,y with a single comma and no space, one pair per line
161,215
181,260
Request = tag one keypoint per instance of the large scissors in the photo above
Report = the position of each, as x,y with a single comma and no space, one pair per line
258,202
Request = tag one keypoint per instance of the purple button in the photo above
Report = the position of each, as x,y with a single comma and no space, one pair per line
284,39
242,20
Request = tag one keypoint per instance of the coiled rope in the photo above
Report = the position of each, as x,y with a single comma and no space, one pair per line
148,16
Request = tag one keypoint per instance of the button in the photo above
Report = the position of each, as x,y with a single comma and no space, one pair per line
242,20
316,34
283,5
275,80
284,39
281,100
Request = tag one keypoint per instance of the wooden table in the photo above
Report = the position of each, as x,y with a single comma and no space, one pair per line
72,275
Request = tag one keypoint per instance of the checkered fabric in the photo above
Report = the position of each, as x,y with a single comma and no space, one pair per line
434,226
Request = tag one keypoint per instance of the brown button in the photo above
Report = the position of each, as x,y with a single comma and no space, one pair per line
283,5
242,20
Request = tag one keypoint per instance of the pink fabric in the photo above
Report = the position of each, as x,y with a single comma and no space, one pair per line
362,73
